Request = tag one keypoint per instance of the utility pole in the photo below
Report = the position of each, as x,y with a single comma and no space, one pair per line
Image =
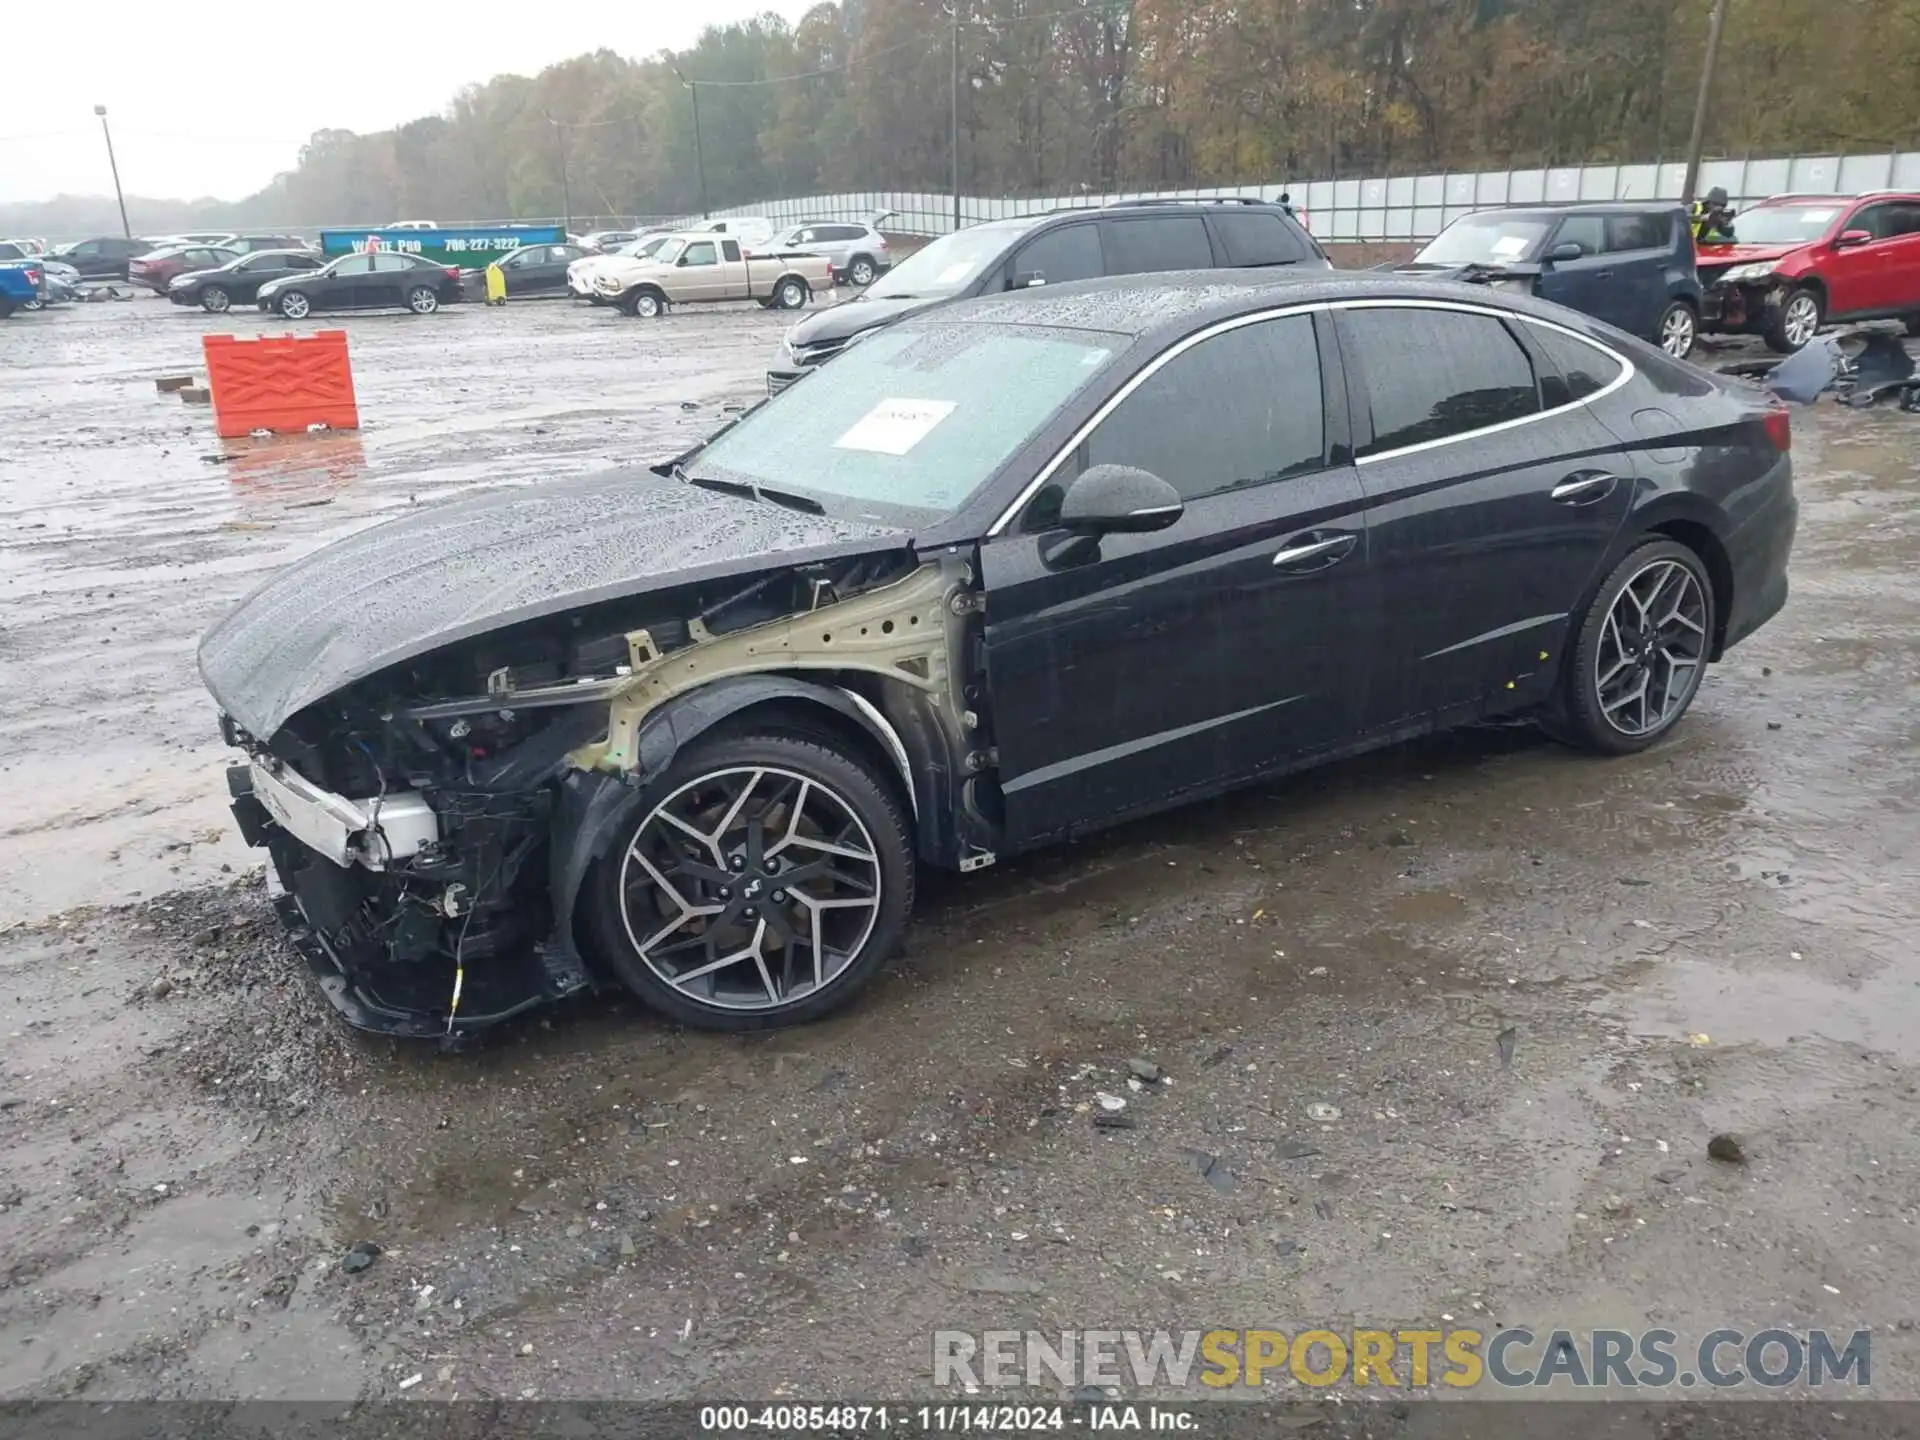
699,160
566,184
114,164
1698,138
953,118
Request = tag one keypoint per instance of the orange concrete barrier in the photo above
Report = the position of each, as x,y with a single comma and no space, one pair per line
283,383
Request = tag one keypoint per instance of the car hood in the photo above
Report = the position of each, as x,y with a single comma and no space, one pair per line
1720,256
469,566
838,322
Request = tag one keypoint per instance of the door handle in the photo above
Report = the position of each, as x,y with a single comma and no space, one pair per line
1603,275
1304,549
1585,487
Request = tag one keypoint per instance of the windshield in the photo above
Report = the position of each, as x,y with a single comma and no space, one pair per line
643,247
1485,240
913,422
947,266
1783,224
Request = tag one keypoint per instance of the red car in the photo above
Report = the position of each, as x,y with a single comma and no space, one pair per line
156,268
1798,262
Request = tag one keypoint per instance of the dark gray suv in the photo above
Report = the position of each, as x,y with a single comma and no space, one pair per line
1131,238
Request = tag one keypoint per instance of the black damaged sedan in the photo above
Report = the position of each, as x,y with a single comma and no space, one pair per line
1012,571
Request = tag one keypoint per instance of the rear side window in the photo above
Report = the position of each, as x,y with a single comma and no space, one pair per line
1164,242
1257,239
1583,369
1241,409
1906,219
730,249
1638,232
1070,253
1432,374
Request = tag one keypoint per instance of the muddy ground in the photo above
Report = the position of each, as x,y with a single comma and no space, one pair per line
1532,985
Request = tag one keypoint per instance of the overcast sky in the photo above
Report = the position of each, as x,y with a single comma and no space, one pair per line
186,126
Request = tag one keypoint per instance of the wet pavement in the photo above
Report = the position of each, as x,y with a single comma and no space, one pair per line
1445,1030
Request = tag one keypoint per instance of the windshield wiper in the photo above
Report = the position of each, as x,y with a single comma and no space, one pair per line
790,499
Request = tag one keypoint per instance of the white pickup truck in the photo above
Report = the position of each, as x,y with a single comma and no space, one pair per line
695,267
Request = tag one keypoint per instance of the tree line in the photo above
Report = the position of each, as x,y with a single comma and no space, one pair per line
1059,96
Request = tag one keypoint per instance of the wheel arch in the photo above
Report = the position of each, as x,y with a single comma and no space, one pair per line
799,279
1689,525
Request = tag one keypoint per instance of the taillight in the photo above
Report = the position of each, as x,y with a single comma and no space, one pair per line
33,277
1779,425
454,271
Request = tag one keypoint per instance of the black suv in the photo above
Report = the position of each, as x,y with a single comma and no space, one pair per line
1630,265
1130,238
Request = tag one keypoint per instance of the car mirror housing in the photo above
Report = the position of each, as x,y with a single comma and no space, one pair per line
1567,250
1118,499
1850,238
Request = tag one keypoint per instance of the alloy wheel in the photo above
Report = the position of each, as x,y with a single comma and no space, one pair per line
646,306
294,306
1653,647
423,301
862,272
214,300
1677,332
750,887
1801,320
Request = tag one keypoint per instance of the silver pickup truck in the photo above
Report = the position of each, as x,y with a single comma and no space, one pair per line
702,266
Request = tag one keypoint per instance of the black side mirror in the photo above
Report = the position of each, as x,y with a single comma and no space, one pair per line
1567,250
1118,499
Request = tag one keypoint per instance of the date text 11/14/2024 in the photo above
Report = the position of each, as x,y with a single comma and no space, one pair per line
981,1419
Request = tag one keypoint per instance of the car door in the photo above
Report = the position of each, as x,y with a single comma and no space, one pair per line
1902,295
548,274
1859,277
393,276
1639,244
1141,668
1067,252
350,286
1580,283
701,276
1489,509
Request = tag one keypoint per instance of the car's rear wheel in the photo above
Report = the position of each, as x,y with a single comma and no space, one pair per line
790,294
215,300
1796,322
36,303
764,881
294,304
423,300
1641,651
1679,328
862,270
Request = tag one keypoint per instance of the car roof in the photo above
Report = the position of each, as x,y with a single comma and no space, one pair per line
1581,207
1161,307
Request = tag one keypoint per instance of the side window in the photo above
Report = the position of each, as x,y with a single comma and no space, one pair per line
1241,409
730,249
806,237
1583,369
1254,238
1589,232
701,252
355,265
1435,373
1906,219
848,232
1070,253
301,262
1162,242
1638,232
1877,220
87,247
387,263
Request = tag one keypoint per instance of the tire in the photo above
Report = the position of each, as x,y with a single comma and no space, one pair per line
423,300
790,293
1597,710
1798,319
862,271
35,304
1678,331
215,300
647,305
293,304
841,802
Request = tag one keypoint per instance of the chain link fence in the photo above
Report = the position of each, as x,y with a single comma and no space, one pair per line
1398,208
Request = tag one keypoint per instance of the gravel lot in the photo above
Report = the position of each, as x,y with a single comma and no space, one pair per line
1530,985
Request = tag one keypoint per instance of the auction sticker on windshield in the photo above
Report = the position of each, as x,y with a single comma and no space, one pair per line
893,427
1508,246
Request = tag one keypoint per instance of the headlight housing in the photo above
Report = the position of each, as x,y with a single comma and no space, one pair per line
1743,274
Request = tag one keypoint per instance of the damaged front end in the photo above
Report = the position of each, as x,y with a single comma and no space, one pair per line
431,825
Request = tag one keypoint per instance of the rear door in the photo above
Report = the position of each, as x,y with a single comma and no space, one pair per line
1582,283
393,276
1639,245
1129,673
1903,261
1488,509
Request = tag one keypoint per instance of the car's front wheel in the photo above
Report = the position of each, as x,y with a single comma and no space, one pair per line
1641,651
293,304
1796,322
1679,328
215,300
423,300
646,305
763,882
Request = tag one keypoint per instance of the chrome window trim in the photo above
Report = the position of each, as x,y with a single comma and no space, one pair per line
1113,402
